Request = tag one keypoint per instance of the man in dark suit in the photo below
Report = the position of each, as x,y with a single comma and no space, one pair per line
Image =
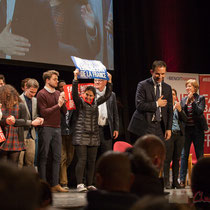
154,109
28,32
108,117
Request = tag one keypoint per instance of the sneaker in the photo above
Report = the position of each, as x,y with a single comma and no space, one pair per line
65,186
81,188
91,187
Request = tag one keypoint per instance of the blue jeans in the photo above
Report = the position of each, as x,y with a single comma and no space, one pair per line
195,135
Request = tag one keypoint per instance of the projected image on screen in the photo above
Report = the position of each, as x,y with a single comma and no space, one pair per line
51,31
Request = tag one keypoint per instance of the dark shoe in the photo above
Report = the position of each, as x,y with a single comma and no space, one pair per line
182,184
176,185
168,186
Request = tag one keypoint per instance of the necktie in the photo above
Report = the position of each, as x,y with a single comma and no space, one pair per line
3,14
157,113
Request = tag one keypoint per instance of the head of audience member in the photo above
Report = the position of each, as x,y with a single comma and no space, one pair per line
157,202
32,87
9,96
113,172
146,180
89,94
191,86
19,189
61,83
51,79
100,84
158,71
154,148
200,183
24,83
2,80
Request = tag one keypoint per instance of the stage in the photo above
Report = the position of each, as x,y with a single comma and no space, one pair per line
75,200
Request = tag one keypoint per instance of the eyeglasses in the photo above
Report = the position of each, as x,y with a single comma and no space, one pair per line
98,80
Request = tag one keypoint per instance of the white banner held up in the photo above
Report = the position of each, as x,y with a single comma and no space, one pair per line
90,69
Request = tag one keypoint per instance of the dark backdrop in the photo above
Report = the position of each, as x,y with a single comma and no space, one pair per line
175,31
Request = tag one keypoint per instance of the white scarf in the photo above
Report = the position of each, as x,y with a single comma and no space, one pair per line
102,109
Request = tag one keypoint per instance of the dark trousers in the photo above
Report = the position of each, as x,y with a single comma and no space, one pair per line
49,138
173,152
156,128
86,155
195,135
105,139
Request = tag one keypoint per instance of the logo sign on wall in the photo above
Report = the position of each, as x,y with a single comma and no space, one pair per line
205,91
178,80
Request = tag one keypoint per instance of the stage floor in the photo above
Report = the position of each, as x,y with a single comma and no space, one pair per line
76,200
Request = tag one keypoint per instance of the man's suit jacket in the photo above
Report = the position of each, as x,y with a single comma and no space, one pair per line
28,116
198,107
146,107
112,112
33,20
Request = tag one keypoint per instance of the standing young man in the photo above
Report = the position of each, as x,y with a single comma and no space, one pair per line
28,97
50,104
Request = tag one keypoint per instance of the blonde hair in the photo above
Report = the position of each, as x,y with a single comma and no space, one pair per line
194,83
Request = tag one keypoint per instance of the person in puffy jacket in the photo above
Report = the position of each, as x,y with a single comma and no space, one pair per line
86,134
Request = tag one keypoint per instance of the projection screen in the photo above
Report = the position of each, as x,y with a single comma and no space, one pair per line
51,31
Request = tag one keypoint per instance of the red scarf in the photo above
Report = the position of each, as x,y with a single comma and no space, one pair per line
83,96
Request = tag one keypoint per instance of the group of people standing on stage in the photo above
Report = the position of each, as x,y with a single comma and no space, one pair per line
176,124
90,128
59,131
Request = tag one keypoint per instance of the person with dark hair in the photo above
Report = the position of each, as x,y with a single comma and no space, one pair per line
196,124
113,180
50,103
175,144
19,189
200,184
2,80
23,84
146,174
86,133
154,110
154,148
67,149
28,97
12,123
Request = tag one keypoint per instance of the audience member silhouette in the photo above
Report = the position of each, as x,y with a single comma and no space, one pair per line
146,180
19,189
113,179
154,148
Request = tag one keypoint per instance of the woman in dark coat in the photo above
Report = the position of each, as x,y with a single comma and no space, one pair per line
86,133
12,123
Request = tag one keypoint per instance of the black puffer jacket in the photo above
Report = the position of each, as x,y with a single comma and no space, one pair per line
86,130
